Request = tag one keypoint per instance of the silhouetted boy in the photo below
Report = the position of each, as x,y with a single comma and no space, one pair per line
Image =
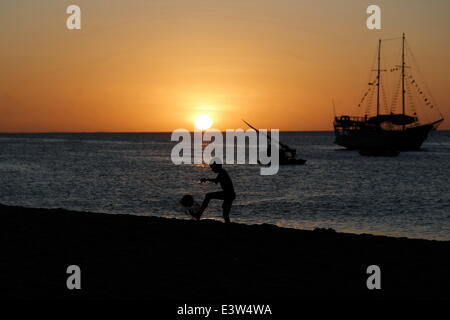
227,194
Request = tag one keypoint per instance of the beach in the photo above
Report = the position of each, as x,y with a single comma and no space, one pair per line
139,257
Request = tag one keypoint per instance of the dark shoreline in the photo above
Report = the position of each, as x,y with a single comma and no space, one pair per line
135,257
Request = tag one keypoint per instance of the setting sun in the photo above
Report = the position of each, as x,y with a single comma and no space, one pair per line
203,122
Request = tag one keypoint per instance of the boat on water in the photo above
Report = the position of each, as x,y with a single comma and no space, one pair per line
390,131
288,155
292,162
379,152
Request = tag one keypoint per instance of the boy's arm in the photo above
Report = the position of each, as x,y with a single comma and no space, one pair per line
215,180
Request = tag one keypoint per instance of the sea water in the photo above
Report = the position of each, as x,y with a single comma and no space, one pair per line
132,173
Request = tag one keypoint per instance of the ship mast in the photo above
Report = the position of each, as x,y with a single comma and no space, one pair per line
378,77
403,74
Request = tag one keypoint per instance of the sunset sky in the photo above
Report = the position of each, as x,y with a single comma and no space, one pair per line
155,65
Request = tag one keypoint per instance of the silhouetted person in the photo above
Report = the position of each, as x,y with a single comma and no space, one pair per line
227,194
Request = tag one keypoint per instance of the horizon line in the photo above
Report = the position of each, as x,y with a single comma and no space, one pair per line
46,132
131,132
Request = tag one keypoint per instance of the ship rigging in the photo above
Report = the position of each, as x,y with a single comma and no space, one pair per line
390,130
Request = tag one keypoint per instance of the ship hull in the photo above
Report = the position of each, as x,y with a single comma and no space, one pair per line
408,139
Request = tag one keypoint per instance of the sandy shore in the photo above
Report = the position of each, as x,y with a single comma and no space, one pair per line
124,256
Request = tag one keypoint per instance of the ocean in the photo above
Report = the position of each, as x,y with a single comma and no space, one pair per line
132,173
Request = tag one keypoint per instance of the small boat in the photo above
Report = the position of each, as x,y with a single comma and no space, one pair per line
379,152
287,154
292,162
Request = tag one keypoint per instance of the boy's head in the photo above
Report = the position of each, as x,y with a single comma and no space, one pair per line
216,165
187,201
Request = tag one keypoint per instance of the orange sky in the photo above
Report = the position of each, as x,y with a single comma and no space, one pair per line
155,65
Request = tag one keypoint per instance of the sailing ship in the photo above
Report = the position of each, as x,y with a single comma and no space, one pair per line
390,130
